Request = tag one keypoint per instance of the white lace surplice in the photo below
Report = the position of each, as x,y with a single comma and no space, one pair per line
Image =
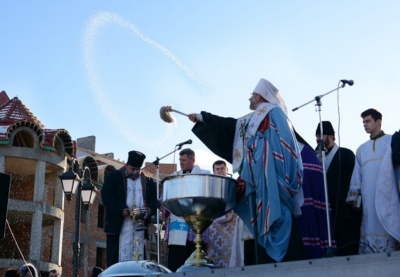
131,241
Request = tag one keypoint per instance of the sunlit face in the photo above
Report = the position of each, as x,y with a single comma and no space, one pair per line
220,169
371,126
254,101
186,163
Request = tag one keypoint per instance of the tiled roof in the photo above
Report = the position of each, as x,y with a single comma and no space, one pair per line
3,97
50,136
14,114
7,128
13,110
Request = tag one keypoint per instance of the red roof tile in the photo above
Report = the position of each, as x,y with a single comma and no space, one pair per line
14,114
13,110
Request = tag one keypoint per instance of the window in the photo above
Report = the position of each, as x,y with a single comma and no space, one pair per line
81,256
100,216
100,257
23,139
83,214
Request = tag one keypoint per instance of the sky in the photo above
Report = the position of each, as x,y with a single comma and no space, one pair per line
105,68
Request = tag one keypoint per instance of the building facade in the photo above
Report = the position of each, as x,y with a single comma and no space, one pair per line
40,226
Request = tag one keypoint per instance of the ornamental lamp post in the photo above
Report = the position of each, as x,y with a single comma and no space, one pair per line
70,182
72,185
88,190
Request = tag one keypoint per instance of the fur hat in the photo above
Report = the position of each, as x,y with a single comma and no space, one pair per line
327,129
136,158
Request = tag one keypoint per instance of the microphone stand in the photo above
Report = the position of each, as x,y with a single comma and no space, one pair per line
156,163
323,151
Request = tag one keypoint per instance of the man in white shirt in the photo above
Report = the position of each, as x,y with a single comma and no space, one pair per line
380,228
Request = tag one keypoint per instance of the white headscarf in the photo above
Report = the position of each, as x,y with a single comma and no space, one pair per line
270,93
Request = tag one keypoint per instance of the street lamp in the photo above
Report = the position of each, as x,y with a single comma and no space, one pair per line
70,181
88,190
72,185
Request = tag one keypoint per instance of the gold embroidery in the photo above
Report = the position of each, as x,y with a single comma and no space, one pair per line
262,111
242,128
236,155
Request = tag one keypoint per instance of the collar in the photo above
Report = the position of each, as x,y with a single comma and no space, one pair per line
246,127
381,134
329,149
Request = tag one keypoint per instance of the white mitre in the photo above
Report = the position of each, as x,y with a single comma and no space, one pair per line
270,93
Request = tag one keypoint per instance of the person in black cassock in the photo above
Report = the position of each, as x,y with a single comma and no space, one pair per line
123,190
339,164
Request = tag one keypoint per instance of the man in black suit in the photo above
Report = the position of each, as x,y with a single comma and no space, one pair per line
123,190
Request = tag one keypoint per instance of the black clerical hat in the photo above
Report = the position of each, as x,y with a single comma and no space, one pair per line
327,128
136,158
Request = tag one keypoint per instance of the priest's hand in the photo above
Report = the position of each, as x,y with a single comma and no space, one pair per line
125,212
195,117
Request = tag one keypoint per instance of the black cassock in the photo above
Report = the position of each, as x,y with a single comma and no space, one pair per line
113,195
346,220
217,133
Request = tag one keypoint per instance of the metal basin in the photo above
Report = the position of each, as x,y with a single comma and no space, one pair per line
135,268
206,195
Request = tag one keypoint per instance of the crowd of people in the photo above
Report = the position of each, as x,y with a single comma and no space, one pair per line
282,213
294,201
28,270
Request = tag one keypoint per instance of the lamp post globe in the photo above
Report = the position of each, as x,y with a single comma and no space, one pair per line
70,182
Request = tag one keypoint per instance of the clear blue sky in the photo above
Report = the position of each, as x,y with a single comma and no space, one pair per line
105,68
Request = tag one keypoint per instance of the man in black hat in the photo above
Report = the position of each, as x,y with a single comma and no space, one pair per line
123,190
339,164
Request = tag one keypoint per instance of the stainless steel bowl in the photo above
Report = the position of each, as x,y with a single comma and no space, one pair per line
208,195
135,268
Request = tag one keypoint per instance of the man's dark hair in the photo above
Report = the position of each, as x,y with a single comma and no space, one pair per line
12,272
218,162
373,113
187,151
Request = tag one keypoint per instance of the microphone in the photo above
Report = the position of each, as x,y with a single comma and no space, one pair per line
349,82
183,143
